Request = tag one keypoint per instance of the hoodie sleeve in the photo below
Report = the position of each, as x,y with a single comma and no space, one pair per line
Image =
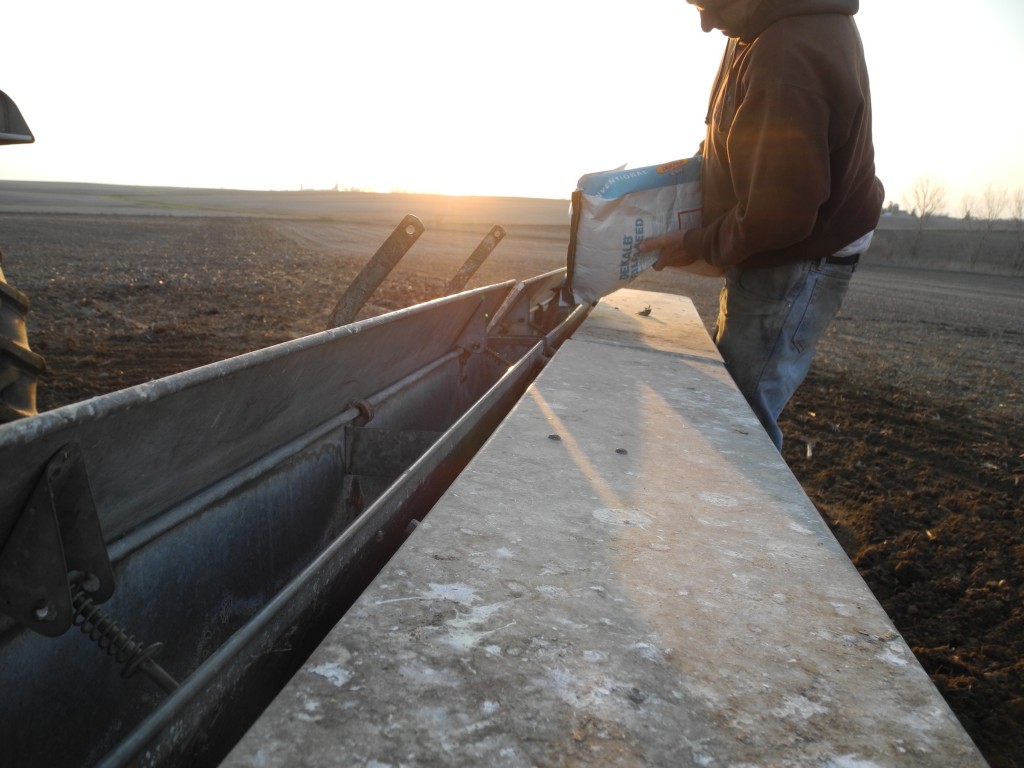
777,146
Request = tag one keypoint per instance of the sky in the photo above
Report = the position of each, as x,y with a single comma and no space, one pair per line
464,96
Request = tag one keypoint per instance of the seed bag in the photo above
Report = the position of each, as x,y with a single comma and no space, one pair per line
613,211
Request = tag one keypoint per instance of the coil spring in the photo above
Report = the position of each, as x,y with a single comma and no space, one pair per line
117,643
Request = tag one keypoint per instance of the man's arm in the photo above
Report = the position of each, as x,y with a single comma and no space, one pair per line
779,163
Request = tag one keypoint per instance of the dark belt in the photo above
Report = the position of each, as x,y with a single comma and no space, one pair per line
842,261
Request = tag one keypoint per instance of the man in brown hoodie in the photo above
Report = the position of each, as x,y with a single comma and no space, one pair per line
789,187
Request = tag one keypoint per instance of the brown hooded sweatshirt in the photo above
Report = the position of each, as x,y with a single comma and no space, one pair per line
789,168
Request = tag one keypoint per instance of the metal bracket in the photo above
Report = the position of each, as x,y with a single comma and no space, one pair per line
375,270
57,539
475,260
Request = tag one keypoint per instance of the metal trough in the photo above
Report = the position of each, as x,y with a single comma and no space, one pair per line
239,508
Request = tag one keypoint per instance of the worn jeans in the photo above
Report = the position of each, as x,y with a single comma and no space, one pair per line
769,321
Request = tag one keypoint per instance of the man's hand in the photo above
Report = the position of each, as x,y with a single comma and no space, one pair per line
673,253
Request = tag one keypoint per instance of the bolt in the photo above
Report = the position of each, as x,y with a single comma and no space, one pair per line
45,611
87,582
91,583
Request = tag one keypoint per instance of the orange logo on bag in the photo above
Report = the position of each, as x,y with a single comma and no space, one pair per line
674,167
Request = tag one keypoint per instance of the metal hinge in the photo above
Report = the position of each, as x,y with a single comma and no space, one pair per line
56,542
54,567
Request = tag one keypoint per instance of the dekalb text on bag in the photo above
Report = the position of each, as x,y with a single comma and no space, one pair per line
613,211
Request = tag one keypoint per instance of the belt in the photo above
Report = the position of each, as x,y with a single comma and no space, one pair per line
842,261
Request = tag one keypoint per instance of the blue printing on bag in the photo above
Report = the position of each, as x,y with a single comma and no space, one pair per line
614,184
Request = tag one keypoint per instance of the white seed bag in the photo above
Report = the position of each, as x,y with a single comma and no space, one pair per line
613,211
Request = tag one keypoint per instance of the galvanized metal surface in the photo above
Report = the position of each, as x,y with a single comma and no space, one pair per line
140,443
226,500
315,596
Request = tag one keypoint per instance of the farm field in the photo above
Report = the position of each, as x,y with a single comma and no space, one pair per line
908,434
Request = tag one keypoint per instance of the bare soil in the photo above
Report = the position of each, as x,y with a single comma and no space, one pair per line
908,434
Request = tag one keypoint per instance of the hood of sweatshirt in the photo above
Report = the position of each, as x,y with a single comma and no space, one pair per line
768,12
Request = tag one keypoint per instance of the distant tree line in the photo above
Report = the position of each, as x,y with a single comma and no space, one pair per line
927,199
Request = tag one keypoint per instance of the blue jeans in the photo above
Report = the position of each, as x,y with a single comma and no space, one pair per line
769,321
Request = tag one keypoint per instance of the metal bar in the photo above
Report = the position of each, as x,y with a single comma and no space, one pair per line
376,269
475,261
